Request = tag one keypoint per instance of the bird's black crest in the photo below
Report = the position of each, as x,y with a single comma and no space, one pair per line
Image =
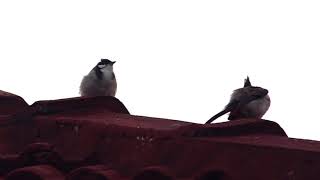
106,62
247,82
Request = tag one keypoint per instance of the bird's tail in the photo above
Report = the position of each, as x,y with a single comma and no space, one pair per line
223,112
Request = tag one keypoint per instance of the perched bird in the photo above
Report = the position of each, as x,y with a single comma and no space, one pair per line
100,81
246,102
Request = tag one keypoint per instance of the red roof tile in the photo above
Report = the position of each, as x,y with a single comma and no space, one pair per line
44,172
97,138
94,172
10,103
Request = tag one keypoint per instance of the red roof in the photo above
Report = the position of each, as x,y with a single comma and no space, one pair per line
97,138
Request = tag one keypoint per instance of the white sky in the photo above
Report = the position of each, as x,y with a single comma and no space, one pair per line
175,59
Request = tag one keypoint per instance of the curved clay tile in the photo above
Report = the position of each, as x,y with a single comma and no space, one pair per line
212,175
11,103
154,173
95,172
81,105
41,172
40,153
243,127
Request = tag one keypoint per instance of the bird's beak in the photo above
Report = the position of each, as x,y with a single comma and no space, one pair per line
113,62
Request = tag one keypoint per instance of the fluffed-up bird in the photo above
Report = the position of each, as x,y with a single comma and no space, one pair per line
100,81
247,102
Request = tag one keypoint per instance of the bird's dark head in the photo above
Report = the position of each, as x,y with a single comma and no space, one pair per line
254,89
104,66
258,91
106,62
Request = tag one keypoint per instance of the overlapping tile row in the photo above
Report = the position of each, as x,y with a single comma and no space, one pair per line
97,138
10,103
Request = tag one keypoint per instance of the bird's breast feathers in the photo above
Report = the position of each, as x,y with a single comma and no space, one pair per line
260,106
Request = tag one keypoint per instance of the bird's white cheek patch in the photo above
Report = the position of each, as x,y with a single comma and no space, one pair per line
107,69
101,66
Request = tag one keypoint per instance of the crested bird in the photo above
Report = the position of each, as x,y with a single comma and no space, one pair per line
100,81
247,102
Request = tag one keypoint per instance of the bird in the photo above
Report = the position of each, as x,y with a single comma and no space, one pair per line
100,81
247,102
